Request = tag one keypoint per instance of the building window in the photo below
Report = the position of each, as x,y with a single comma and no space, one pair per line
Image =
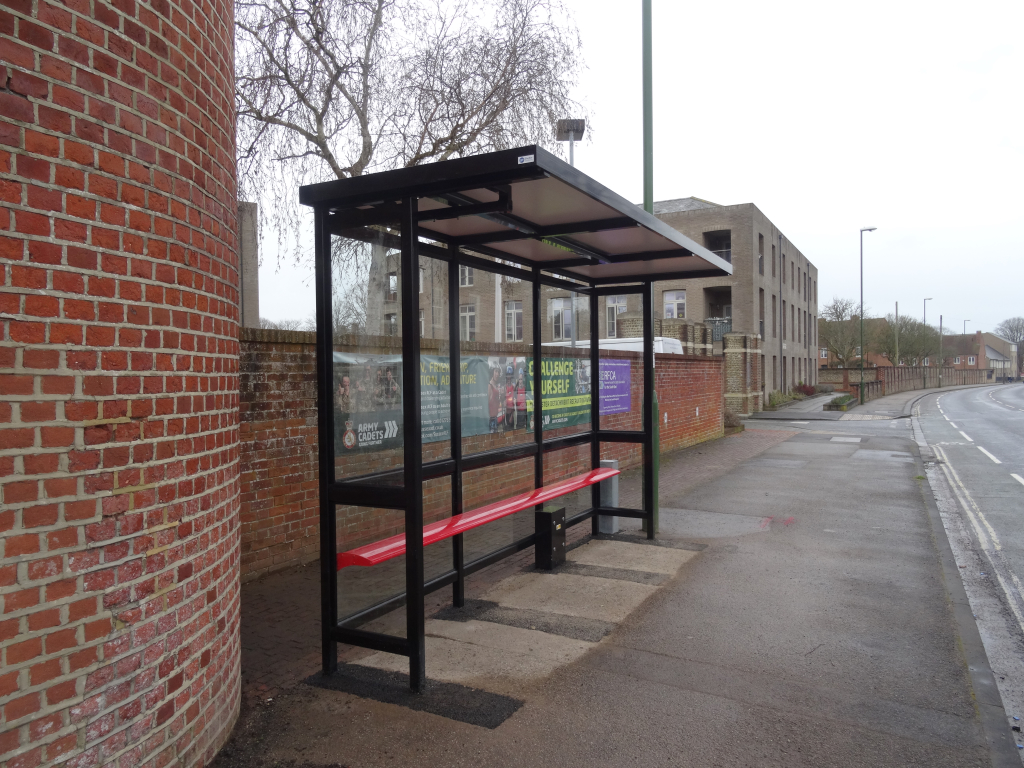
792,280
423,324
465,276
760,254
783,265
392,286
675,304
926,363
613,307
422,270
561,319
760,311
773,261
719,243
513,321
970,360
783,315
775,313
823,353
956,361
467,322
391,324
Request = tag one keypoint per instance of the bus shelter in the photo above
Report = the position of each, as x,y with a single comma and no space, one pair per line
405,418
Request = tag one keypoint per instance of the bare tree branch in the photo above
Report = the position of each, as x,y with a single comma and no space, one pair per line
328,89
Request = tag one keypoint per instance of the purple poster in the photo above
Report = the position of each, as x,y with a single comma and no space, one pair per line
614,392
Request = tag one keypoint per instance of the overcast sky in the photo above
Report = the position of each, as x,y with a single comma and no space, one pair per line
899,115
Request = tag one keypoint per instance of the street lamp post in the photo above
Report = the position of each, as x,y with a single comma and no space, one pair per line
926,312
862,231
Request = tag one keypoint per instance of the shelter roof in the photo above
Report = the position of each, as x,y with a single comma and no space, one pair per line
524,206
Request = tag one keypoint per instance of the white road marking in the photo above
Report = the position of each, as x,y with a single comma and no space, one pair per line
951,422
1017,477
966,437
967,502
799,422
997,461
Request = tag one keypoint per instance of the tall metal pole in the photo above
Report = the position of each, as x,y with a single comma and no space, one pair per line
896,363
648,110
862,350
940,351
862,317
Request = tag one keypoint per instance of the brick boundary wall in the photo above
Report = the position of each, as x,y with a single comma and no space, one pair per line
278,457
119,630
879,382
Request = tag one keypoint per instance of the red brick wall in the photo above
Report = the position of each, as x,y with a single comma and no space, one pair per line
278,458
118,383
279,508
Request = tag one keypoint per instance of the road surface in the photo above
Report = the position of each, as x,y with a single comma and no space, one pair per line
977,438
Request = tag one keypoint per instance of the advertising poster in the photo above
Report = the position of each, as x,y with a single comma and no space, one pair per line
496,394
565,387
614,392
367,402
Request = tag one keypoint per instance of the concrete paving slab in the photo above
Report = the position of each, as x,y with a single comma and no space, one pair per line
633,557
585,596
694,523
891,456
494,657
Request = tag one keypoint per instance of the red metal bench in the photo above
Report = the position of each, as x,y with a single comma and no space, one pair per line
379,551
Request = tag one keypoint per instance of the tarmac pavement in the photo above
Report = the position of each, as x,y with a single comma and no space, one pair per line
818,619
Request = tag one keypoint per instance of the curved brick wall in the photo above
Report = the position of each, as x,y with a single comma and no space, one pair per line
118,383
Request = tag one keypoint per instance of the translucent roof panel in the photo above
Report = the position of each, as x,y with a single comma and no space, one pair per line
526,206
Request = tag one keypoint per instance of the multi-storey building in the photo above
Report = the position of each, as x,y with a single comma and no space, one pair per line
773,290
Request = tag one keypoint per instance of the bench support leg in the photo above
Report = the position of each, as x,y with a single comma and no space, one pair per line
550,548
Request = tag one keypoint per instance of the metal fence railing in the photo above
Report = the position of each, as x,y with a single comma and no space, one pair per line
718,326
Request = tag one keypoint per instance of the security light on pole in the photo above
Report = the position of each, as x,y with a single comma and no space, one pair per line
862,231
571,131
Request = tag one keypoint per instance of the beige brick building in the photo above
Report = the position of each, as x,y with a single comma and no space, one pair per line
773,290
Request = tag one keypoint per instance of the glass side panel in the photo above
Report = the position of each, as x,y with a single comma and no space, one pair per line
367,336
359,587
495,345
565,378
480,488
435,368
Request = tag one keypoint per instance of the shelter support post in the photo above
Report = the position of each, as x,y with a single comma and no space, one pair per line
413,452
595,406
538,395
455,417
650,502
325,427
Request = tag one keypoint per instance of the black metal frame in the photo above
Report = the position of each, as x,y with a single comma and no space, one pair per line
335,213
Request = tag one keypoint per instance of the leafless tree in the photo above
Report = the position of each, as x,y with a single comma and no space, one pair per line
328,89
916,341
839,330
309,324
1012,329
